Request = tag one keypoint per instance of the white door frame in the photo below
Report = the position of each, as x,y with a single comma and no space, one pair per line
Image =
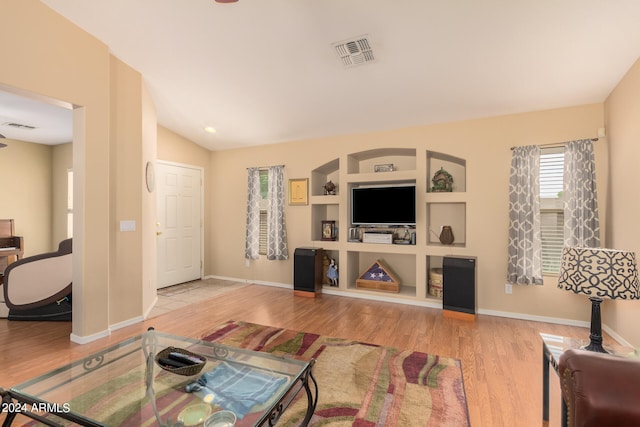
201,170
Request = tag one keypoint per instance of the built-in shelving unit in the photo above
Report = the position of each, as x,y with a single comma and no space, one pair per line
324,206
455,166
321,175
410,263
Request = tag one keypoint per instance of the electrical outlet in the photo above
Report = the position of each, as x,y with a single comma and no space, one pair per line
508,288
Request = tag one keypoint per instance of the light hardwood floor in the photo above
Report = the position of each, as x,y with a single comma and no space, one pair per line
501,358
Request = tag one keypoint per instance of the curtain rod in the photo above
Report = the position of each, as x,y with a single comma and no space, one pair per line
264,167
560,144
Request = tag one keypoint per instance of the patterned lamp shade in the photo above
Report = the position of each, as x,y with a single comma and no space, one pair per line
600,273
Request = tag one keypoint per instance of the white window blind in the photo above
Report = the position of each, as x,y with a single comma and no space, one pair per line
551,208
264,188
69,203
262,248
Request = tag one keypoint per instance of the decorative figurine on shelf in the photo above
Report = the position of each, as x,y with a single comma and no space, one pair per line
329,231
329,188
332,273
442,182
407,235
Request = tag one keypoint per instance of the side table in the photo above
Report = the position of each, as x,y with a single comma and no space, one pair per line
552,347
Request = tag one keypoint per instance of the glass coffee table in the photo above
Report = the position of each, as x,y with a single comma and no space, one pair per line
125,386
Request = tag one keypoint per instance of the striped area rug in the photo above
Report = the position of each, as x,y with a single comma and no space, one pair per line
361,384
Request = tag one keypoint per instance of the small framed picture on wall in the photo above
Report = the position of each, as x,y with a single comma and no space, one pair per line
329,230
299,192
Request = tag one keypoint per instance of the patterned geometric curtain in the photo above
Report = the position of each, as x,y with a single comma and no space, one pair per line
276,231
252,244
581,223
525,245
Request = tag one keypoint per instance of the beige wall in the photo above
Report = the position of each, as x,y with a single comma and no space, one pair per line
66,65
623,126
484,144
26,170
36,192
125,290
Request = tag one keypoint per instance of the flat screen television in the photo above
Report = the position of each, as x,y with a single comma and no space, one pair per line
384,205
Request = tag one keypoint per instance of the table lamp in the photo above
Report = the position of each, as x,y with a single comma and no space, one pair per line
599,273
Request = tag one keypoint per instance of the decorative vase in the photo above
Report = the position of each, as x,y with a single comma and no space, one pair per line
446,235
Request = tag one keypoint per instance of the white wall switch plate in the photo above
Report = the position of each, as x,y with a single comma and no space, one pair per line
508,288
128,225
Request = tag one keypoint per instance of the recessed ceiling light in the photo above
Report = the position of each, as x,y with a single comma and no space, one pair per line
210,129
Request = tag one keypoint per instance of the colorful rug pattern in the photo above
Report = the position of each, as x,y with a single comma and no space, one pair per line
360,384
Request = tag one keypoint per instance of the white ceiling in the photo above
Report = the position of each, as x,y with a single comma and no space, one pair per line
34,120
263,71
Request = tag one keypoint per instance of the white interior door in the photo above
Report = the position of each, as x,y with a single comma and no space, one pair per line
179,225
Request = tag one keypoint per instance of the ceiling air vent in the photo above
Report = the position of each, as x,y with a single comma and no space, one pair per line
19,126
356,51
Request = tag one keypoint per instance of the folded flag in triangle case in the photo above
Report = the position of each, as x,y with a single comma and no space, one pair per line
377,273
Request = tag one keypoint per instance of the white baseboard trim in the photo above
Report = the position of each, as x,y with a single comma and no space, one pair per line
124,324
616,337
151,307
534,318
558,321
103,334
85,339
255,282
230,279
272,284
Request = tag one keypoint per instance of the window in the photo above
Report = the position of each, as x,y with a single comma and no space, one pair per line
69,203
264,202
551,208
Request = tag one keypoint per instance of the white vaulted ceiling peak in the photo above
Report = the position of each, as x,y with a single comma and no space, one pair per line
263,72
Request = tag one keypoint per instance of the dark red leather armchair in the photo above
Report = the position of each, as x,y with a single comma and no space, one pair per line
600,390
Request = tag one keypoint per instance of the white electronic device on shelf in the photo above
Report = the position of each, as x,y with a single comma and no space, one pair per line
377,237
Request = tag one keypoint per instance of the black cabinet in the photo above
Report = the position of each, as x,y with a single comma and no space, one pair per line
307,271
459,286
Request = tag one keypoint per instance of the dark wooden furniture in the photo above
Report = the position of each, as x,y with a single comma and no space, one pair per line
11,246
307,271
